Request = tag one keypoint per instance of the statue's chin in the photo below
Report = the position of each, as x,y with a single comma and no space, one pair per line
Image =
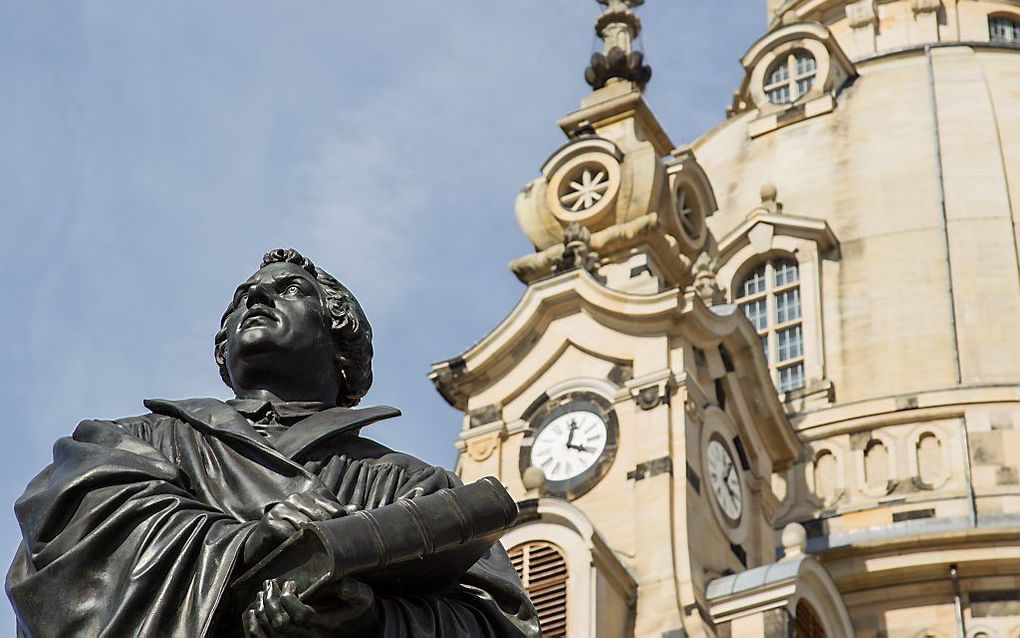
255,342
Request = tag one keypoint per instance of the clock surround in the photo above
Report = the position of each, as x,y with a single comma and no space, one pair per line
546,413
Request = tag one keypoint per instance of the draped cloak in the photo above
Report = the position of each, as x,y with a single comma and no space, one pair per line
138,525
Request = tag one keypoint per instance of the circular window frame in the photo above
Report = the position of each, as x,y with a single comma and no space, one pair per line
790,63
823,72
568,172
700,212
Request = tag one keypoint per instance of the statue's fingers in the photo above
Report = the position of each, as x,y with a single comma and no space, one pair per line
311,509
331,505
388,489
291,518
300,612
278,616
252,627
355,594
260,612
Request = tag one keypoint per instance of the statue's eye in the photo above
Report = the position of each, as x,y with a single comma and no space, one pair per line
293,289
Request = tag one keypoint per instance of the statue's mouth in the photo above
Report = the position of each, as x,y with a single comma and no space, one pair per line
257,315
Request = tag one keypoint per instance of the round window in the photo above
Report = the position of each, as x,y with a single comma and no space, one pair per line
790,77
690,213
584,187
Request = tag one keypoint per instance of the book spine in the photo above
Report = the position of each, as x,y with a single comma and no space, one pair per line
414,528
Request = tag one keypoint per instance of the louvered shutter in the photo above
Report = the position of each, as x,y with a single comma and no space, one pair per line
543,570
807,623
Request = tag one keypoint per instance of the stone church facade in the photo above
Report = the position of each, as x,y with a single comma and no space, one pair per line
768,384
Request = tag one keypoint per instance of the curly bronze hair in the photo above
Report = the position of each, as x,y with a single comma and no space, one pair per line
352,334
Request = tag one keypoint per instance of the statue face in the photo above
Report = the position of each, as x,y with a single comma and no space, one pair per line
280,320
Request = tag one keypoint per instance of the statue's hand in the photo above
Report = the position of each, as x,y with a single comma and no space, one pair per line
278,612
285,518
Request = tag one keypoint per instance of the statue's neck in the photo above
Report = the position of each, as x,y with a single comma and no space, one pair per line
284,390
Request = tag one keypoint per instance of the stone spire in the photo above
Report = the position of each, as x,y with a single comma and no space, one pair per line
618,27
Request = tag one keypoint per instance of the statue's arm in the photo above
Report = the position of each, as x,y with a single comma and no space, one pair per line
487,600
115,543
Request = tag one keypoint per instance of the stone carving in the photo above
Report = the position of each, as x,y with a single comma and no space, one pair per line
584,188
577,252
862,14
706,284
268,514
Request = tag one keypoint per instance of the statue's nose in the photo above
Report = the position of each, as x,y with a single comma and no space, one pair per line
260,293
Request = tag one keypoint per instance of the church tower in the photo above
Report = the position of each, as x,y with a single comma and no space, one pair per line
625,402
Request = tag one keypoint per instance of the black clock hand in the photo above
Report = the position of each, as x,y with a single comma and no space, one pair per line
726,481
570,437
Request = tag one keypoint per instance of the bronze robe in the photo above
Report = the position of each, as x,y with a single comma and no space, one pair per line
138,525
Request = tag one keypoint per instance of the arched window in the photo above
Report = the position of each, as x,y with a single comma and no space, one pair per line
1003,29
790,77
770,297
825,475
876,464
543,570
929,459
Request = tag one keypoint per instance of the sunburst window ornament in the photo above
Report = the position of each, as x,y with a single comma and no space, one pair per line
585,190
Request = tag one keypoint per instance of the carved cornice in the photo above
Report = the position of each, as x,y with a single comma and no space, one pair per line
646,230
651,390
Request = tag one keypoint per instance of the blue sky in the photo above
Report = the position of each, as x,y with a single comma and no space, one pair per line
152,151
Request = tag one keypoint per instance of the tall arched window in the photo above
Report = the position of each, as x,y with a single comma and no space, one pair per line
825,476
876,464
1003,29
543,570
770,297
929,459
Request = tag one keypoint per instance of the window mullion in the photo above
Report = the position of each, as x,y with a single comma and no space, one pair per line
791,73
770,308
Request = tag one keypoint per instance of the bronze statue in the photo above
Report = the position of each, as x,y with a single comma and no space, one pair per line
268,514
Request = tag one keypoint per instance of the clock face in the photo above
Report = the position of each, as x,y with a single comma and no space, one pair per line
569,444
725,481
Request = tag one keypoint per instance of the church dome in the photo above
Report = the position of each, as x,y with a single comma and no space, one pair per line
911,154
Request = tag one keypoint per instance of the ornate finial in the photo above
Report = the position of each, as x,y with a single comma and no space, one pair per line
794,539
618,27
769,198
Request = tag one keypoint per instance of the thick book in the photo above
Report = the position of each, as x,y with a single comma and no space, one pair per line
414,545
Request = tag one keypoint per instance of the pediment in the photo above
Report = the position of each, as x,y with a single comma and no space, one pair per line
808,228
608,317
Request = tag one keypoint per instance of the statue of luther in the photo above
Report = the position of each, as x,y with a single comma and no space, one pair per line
140,525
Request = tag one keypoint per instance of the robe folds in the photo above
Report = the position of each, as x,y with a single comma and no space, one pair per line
138,526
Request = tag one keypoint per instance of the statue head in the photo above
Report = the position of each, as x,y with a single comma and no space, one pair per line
292,329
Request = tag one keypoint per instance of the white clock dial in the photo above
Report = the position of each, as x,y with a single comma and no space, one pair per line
569,444
724,479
